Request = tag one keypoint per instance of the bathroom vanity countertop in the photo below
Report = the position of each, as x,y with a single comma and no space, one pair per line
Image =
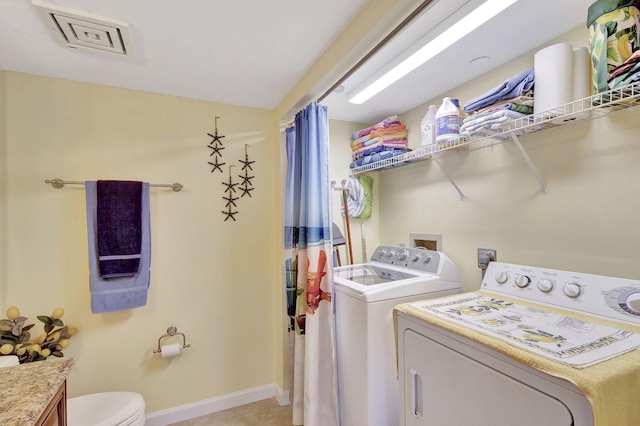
26,389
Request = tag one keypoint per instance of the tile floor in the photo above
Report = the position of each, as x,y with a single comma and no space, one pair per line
267,412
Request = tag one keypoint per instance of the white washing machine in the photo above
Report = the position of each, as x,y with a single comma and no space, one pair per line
454,369
365,295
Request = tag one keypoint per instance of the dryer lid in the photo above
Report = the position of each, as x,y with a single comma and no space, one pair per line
104,409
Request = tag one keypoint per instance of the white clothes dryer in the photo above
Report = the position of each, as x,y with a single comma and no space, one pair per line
365,295
457,369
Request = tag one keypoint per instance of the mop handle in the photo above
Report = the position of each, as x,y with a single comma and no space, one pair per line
346,216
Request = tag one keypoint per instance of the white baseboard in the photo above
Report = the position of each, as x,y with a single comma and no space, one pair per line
212,405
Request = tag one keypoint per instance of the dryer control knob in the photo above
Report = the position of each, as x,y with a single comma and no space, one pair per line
572,290
545,285
502,277
523,281
633,302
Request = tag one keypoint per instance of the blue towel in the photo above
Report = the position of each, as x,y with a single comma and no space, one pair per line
511,88
119,227
116,294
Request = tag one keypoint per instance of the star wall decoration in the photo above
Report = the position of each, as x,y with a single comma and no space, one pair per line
246,163
216,165
246,186
231,200
216,147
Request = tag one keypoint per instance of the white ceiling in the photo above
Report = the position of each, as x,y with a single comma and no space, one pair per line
239,52
524,26
252,52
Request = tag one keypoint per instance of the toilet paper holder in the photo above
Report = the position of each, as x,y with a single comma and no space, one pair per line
171,331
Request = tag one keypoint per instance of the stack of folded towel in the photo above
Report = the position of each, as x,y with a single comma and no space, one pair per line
378,142
495,118
491,113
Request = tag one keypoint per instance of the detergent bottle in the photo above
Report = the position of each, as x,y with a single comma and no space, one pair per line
428,127
447,122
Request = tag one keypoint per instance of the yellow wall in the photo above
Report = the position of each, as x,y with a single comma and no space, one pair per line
587,222
3,179
216,281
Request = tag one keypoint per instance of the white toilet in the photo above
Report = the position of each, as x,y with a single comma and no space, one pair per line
106,409
99,409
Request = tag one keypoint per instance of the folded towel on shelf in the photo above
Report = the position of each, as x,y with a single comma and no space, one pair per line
387,122
393,130
512,106
119,293
379,147
510,88
378,156
393,138
119,227
496,121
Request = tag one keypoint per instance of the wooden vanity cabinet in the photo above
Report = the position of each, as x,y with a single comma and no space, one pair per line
55,413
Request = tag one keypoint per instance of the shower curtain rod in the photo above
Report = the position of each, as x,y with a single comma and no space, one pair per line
59,183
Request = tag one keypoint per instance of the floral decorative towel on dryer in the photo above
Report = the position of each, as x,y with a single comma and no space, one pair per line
566,339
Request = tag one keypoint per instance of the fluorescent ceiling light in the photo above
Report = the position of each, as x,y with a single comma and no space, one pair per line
470,22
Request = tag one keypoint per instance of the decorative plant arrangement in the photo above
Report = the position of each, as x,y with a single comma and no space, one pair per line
15,337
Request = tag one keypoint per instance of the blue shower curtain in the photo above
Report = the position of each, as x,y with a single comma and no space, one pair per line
309,267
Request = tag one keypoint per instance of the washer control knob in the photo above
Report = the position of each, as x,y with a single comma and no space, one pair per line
427,259
523,281
390,254
502,277
633,302
415,257
545,285
572,290
382,253
403,255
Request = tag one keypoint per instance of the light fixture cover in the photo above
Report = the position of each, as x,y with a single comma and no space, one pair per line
464,26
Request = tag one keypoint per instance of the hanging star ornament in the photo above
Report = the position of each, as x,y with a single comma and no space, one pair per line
230,200
246,179
230,214
216,165
230,186
246,163
246,190
216,150
217,140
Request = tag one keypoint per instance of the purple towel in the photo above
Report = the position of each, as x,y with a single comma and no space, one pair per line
119,223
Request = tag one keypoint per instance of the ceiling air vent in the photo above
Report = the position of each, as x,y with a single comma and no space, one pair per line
75,29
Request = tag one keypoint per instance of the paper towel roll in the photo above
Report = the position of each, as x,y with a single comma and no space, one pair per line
170,350
581,86
581,73
553,67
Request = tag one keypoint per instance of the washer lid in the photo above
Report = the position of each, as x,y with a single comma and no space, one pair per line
367,274
103,409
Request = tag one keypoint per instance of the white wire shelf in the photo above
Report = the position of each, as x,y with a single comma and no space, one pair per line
595,106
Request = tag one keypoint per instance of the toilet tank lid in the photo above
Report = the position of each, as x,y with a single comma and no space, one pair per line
103,409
